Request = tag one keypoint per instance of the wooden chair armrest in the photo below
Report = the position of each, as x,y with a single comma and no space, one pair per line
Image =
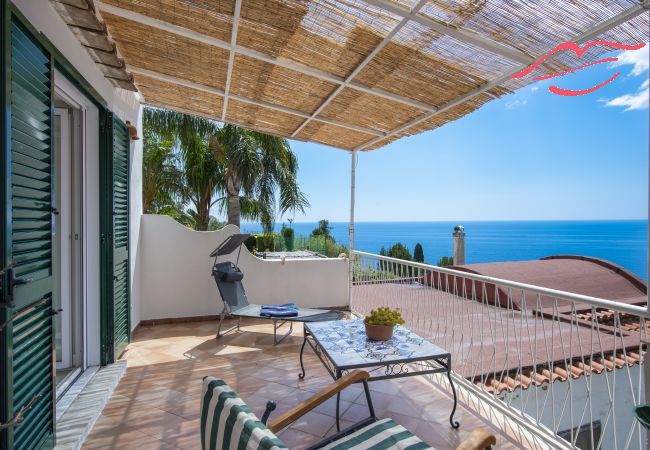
320,397
479,439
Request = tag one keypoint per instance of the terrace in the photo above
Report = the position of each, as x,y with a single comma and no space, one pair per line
524,377
538,367
157,402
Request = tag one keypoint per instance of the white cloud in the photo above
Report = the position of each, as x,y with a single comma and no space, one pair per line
638,58
534,88
516,103
638,100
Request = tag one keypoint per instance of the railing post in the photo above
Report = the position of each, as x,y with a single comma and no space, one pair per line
646,366
353,172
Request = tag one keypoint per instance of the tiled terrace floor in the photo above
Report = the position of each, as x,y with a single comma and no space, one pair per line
156,405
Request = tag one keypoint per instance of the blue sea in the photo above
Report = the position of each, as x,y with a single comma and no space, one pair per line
624,242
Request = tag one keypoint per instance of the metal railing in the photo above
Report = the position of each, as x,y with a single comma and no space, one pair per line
560,364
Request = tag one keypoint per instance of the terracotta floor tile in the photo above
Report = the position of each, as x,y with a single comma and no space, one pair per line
296,439
156,405
314,423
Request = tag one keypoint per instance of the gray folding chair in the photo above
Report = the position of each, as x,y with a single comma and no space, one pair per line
235,303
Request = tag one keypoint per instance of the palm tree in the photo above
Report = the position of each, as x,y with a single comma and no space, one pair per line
257,167
161,178
202,174
239,170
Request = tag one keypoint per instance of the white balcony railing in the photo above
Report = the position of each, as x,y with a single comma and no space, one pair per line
561,364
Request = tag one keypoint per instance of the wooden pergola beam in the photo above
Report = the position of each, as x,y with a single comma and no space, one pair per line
405,20
461,35
280,62
215,91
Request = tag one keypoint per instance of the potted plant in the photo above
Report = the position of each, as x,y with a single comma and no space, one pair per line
287,234
380,323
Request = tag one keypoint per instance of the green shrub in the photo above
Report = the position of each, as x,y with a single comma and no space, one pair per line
384,316
288,235
418,253
446,261
268,242
321,244
251,243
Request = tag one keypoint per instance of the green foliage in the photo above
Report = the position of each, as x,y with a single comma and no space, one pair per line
418,253
323,229
162,182
251,243
286,232
288,235
446,261
215,224
384,316
320,244
191,161
398,251
270,242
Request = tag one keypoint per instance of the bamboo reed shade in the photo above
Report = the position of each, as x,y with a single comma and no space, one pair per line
318,44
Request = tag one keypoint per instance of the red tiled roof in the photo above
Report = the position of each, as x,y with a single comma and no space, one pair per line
531,377
577,274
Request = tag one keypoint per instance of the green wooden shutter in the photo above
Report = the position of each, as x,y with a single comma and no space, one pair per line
27,340
115,238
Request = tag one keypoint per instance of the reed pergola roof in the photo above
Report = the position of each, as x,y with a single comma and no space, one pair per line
351,74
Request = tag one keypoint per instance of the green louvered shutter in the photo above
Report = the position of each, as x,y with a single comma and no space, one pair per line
121,303
115,238
27,350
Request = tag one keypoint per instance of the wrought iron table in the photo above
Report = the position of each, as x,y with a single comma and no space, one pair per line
342,346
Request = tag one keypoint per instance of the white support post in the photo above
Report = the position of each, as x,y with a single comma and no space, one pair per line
353,175
646,366
231,58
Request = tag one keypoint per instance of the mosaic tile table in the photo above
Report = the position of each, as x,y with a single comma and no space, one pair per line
343,346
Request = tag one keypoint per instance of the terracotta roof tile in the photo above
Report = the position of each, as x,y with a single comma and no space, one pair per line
512,381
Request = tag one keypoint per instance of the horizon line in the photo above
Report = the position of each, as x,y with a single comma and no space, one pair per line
458,221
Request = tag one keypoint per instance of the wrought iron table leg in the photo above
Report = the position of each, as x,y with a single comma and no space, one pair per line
302,350
338,404
453,423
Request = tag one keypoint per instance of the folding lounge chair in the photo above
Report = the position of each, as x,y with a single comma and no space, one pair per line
227,422
235,303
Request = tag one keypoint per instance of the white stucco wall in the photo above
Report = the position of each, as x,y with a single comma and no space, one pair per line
574,398
176,278
124,104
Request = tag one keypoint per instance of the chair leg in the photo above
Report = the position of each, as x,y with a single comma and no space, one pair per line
222,316
276,341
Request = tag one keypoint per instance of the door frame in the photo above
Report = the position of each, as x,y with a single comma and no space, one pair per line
88,151
64,254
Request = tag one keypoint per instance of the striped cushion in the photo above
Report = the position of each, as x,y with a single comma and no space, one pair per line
381,435
227,423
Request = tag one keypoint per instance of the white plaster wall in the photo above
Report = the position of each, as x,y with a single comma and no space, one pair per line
135,216
547,402
177,282
124,104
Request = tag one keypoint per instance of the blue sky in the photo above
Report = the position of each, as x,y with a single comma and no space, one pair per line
530,155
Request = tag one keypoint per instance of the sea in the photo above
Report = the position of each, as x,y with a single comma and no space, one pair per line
624,242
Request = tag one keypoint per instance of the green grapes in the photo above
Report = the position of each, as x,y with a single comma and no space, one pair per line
384,316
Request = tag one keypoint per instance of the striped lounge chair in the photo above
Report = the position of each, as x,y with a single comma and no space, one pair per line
227,423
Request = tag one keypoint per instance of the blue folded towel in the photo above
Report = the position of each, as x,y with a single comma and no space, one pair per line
283,306
285,310
278,313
